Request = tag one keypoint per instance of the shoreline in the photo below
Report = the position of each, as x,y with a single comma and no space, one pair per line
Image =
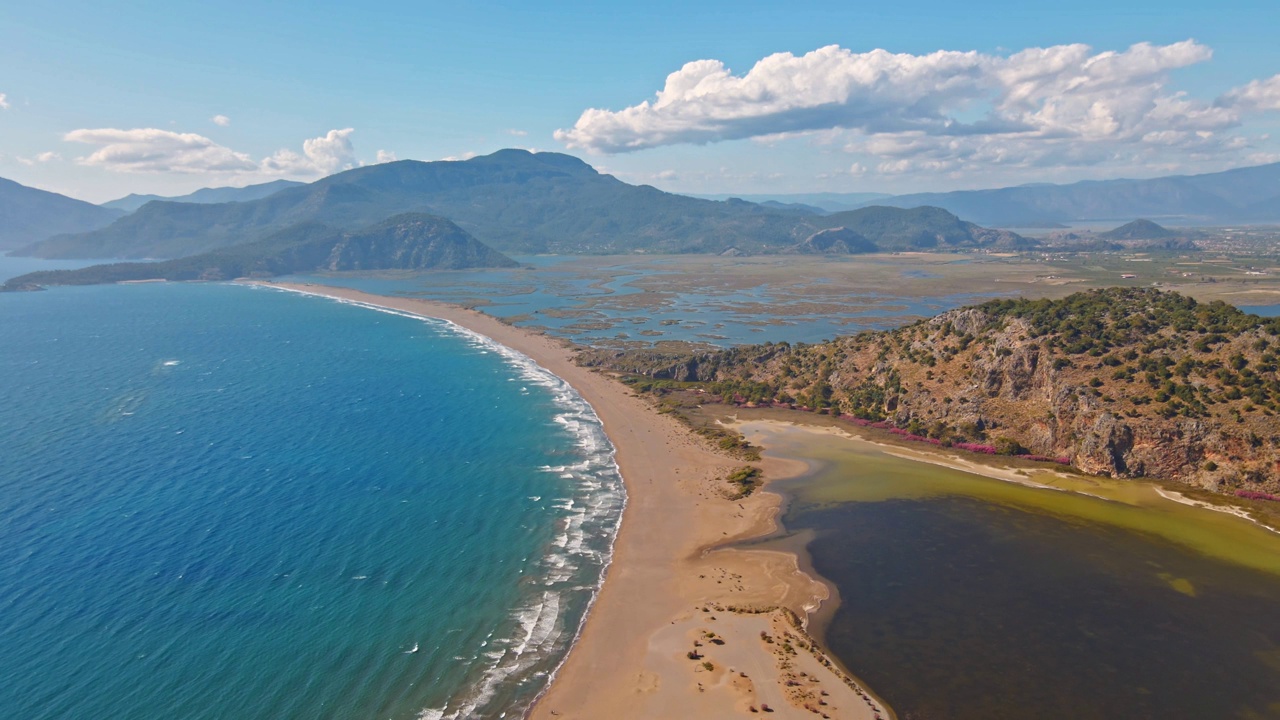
683,625
977,464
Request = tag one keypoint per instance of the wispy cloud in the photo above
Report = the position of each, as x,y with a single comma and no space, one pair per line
220,120
4,101
151,150
40,159
1067,103
517,133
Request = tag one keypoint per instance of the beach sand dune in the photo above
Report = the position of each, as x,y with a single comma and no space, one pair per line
661,640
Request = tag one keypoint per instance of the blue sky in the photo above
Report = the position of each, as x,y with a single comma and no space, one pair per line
104,99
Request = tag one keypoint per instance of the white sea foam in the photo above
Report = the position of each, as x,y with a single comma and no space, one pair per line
575,563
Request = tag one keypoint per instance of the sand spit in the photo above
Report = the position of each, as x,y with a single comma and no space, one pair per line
683,626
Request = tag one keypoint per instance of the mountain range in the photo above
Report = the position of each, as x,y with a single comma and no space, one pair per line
28,214
1243,195
523,202
822,202
205,196
411,241
512,200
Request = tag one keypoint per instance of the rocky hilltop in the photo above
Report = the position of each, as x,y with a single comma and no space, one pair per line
1121,382
922,228
1139,230
835,241
412,241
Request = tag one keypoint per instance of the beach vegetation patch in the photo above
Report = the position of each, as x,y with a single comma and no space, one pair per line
744,481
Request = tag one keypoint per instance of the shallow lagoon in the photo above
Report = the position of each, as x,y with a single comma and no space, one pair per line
596,300
968,597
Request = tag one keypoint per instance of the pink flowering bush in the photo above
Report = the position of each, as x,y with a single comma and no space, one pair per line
1252,495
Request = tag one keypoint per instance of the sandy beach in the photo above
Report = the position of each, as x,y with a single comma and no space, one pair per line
680,628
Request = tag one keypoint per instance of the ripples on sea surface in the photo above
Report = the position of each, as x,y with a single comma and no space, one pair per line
223,502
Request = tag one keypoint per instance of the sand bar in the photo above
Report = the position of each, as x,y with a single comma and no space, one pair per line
668,590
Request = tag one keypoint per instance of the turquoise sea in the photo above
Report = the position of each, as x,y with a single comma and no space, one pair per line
226,502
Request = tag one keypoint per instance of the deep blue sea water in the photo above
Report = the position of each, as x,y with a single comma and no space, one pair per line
225,502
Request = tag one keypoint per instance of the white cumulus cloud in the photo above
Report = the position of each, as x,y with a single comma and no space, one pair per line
323,155
220,120
938,112
1063,89
4,101
154,150
1257,95
386,156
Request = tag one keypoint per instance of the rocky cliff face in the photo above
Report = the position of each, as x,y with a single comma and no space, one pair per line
1126,383
1006,389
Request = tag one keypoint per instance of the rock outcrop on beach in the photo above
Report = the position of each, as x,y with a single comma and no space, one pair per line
1121,382
413,241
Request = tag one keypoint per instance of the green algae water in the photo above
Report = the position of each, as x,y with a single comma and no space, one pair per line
967,597
226,502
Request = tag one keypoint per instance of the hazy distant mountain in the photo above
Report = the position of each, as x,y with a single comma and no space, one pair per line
206,196
28,215
922,228
835,241
412,241
511,200
1235,196
1138,230
825,201
799,208
517,201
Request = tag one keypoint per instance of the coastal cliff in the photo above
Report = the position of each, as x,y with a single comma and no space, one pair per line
1119,382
